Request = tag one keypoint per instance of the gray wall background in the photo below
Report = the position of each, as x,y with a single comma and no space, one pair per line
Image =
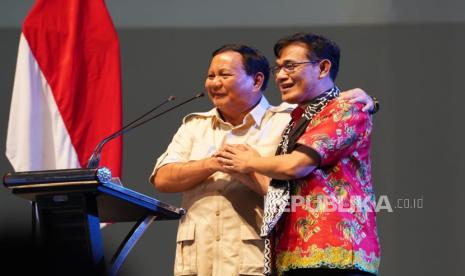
409,54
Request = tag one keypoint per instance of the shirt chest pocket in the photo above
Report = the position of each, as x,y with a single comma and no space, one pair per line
251,252
201,149
186,251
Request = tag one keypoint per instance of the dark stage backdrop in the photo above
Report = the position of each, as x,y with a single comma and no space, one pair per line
418,158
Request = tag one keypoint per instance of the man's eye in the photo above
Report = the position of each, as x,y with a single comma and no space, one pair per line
289,66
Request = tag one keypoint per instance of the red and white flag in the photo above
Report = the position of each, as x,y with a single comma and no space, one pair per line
67,88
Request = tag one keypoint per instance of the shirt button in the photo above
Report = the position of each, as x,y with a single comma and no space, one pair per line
217,213
218,238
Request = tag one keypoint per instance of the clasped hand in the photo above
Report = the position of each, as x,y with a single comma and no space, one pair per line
235,158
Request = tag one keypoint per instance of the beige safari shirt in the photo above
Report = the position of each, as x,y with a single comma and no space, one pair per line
219,235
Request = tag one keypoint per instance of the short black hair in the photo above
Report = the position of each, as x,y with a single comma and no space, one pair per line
253,61
319,47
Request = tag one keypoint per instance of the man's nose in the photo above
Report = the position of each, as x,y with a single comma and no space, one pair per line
216,82
281,75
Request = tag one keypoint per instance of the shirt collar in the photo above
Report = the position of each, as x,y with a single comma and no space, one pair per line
256,114
300,109
297,113
259,111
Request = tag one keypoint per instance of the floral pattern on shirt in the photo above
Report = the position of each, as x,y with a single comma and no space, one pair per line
335,226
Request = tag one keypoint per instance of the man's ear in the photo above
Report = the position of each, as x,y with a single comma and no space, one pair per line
258,80
325,67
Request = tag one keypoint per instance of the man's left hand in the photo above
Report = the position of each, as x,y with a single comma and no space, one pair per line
357,95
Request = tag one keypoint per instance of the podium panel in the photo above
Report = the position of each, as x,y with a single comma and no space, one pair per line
72,203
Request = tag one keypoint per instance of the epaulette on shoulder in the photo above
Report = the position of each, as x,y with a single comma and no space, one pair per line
283,108
195,115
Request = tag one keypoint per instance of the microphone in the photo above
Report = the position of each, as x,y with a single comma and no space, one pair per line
95,157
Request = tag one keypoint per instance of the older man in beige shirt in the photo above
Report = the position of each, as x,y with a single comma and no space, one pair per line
219,233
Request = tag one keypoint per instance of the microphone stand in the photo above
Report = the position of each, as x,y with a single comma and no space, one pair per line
95,157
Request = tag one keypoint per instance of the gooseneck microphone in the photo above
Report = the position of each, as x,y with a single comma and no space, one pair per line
95,157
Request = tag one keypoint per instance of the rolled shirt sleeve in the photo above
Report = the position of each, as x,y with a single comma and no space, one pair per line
336,132
179,150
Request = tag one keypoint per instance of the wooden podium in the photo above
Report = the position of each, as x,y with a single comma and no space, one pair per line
71,204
